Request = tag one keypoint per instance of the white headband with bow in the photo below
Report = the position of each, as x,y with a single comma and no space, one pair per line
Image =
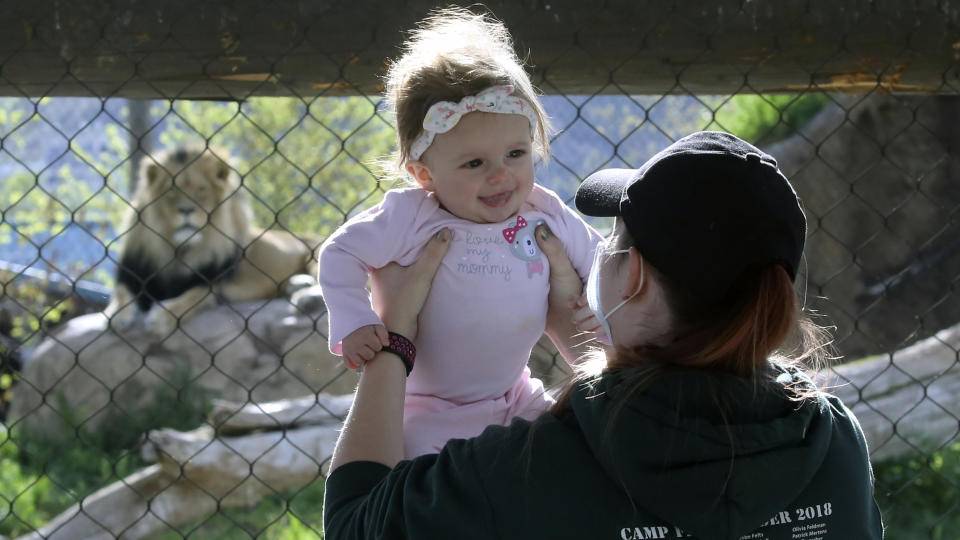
444,115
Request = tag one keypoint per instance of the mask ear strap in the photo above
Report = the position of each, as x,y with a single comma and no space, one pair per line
636,292
642,266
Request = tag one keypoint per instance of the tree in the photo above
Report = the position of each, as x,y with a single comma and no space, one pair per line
306,165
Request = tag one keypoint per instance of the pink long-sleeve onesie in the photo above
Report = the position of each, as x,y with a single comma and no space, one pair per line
485,312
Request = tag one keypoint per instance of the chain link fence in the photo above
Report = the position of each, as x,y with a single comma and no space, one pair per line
218,422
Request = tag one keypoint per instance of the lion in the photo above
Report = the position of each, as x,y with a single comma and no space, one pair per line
188,241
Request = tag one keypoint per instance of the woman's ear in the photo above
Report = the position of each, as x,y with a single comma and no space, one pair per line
635,278
421,173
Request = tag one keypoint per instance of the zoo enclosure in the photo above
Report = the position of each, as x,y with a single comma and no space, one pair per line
863,97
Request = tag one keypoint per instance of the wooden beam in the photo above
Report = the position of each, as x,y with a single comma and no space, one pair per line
235,49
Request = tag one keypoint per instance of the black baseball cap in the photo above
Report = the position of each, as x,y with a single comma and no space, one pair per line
703,210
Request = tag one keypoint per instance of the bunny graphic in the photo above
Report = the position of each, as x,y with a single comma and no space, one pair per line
524,246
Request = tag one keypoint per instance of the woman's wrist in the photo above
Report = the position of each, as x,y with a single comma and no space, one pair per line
373,430
402,348
400,319
407,330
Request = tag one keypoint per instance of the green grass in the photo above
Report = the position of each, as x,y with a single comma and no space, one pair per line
40,476
920,497
29,498
294,515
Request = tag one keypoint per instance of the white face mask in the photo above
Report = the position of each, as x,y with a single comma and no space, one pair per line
593,293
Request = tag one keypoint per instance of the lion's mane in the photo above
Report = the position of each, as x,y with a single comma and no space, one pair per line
188,225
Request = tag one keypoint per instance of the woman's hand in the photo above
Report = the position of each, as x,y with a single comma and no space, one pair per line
566,289
399,292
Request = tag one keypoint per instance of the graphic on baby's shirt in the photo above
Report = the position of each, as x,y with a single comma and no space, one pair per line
524,246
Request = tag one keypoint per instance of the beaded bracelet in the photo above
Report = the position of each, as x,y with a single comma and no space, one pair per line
403,348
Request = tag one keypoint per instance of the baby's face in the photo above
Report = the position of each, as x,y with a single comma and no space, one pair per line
482,169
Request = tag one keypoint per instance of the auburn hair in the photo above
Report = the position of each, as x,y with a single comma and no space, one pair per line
760,319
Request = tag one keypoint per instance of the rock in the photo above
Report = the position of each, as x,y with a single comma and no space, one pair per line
246,352
907,401
878,179
232,418
255,352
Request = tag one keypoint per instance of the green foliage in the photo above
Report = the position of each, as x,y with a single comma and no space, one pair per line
37,202
27,499
305,164
763,118
40,477
8,378
293,515
919,497
37,491
6,381
38,310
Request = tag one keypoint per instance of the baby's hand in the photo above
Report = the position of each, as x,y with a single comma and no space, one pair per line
364,342
585,320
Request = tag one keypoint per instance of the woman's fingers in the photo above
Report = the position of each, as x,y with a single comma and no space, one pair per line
400,292
585,320
565,284
382,335
561,269
564,280
422,271
589,326
433,253
426,267
580,315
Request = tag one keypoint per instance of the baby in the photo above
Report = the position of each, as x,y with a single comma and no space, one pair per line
469,126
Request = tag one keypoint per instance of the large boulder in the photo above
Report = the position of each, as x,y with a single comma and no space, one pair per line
85,372
878,178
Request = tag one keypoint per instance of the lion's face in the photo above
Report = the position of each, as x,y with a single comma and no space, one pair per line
186,196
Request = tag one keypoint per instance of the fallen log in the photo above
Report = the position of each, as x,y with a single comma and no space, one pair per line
230,418
198,473
907,401
137,506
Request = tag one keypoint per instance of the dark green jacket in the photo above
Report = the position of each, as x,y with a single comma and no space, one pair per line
692,456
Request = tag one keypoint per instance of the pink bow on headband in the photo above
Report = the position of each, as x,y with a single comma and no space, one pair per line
511,232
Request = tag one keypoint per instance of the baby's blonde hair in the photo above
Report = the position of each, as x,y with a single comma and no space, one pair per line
454,53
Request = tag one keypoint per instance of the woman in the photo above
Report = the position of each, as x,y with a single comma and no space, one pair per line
700,423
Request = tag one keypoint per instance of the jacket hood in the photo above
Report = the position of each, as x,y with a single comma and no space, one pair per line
712,454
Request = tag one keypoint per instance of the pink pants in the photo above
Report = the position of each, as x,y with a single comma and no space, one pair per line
430,421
